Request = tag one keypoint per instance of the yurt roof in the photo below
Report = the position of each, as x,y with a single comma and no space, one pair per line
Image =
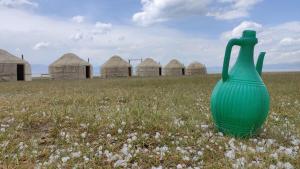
6,57
196,65
174,64
149,63
70,59
115,61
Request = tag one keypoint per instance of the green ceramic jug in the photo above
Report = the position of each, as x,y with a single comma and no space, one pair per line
240,100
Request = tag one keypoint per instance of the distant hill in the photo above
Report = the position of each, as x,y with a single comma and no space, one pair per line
284,67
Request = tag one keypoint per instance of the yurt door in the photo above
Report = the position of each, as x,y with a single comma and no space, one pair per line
159,71
129,71
183,71
20,72
88,72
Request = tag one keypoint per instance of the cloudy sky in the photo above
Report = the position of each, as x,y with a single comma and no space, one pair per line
189,30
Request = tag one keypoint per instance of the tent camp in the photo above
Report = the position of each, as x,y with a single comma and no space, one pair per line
116,67
174,68
70,66
196,68
13,68
149,68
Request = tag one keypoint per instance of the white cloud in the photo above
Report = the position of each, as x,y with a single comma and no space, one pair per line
78,19
18,3
232,9
77,36
102,28
287,41
155,11
281,42
238,30
41,45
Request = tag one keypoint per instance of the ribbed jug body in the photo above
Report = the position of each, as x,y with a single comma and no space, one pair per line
239,108
240,100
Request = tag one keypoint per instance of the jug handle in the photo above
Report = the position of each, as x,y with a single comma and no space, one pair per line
229,46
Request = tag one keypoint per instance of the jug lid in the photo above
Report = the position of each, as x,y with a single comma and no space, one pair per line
249,34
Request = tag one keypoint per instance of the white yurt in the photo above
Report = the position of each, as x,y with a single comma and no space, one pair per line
70,66
116,67
13,68
149,68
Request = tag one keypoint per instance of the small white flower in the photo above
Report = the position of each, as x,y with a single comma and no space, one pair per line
272,166
204,126
295,142
65,159
83,135
288,165
186,158
230,154
76,154
120,163
62,134
260,149
157,135
200,153
86,159
108,135
159,167
120,131
274,155
134,138
123,123
179,166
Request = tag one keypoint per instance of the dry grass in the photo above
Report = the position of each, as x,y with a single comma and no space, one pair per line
139,123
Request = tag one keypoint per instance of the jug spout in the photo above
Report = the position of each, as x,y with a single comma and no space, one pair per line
260,62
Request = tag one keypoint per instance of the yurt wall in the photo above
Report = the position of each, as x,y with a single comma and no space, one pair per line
13,68
69,67
149,68
196,68
174,68
116,67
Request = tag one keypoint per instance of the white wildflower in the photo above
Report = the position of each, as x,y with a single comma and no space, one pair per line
295,142
272,166
157,135
230,154
84,125
204,126
120,131
288,165
200,153
86,159
179,166
186,158
83,135
76,154
240,163
65,159
120,163
62,134
134,138
274,155
260,149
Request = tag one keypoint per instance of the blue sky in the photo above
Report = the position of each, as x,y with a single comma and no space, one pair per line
188,30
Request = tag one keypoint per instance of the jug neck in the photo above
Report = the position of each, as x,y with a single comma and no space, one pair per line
245,57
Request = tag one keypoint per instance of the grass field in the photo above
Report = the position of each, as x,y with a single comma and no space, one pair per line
140,123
